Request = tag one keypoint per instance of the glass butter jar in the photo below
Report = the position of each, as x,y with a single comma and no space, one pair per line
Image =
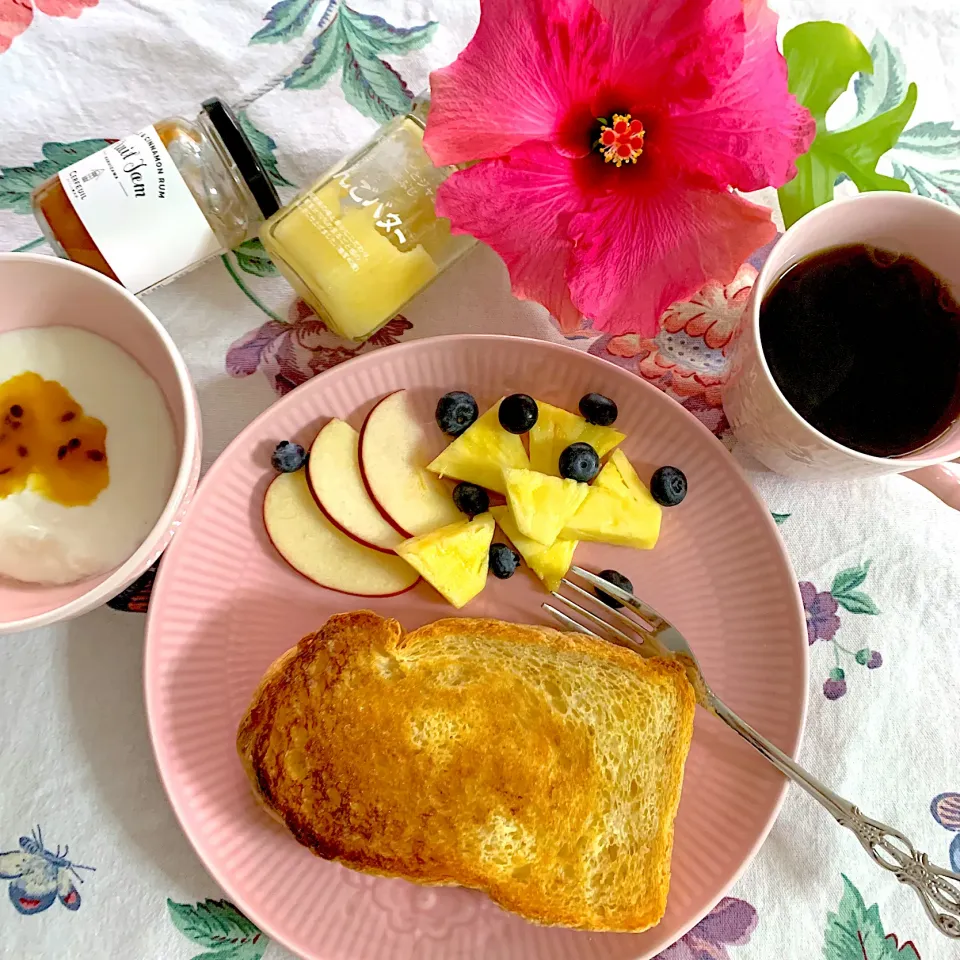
159,202
365,238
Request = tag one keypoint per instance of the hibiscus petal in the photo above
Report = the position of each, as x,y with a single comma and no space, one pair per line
524,76
15,17
678,47
520,206
637,252
749,133
65,8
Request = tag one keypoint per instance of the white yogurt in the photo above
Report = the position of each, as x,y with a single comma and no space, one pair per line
45,542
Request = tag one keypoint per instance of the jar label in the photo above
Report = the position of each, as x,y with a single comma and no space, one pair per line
139,210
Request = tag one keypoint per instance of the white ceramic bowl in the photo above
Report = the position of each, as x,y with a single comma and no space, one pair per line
38,291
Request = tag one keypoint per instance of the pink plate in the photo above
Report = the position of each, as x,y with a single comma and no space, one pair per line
225,606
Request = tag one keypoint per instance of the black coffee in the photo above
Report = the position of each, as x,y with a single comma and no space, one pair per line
865,345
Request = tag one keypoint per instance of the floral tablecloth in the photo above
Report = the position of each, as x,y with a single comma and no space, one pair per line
81,804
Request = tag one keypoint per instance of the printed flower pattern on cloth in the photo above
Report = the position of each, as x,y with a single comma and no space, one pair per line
946,811
729,924
688,357
290,353
821,608
855,932
219,927
17,15
39,876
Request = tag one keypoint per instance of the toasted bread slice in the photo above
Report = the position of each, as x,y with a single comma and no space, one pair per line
541,767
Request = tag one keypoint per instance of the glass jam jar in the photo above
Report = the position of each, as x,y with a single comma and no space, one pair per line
365,238
157,203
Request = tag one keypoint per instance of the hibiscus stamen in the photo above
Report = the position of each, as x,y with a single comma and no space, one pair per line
621,141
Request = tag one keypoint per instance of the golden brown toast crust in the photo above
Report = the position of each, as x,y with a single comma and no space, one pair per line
437,759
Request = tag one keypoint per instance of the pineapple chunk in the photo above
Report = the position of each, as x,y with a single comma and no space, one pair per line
556,429
542,505
481,453
550,564
618,509
629,476
453,559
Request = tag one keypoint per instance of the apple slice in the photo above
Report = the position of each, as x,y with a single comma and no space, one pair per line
394,453
336,482
314,547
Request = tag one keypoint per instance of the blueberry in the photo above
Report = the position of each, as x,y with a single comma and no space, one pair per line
504,561
518,413
618,580
668,486
579,462
455,412
471,499
598,409
288,457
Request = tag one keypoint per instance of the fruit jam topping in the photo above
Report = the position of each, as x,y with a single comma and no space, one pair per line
48,444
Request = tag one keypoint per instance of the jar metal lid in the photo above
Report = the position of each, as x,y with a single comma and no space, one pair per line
238,145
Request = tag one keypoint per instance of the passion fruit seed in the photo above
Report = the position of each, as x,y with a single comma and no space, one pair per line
74,443
61,453
67,417
22,451
95,455
16,410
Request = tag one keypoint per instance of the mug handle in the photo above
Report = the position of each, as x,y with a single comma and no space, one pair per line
942,480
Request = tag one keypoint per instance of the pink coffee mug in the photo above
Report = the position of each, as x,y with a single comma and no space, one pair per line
761,417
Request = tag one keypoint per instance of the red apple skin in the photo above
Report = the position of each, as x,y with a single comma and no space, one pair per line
339,526
348,593
366,482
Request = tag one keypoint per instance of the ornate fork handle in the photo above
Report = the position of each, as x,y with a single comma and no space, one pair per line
938,889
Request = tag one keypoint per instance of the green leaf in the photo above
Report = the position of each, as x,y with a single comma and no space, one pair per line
374,88
837,673
944,186
378,36
220,927
856,933
884,87
285,21
252,258
821,59
354,42
320,63
265,147
849,579
779,518
369,83
17,183
931,139
856,601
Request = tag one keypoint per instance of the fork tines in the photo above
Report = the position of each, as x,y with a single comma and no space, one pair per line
628,631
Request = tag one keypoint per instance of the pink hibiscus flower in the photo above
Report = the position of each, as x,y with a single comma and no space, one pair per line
17,15
609,135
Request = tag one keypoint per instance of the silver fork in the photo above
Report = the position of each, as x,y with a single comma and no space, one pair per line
938,889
